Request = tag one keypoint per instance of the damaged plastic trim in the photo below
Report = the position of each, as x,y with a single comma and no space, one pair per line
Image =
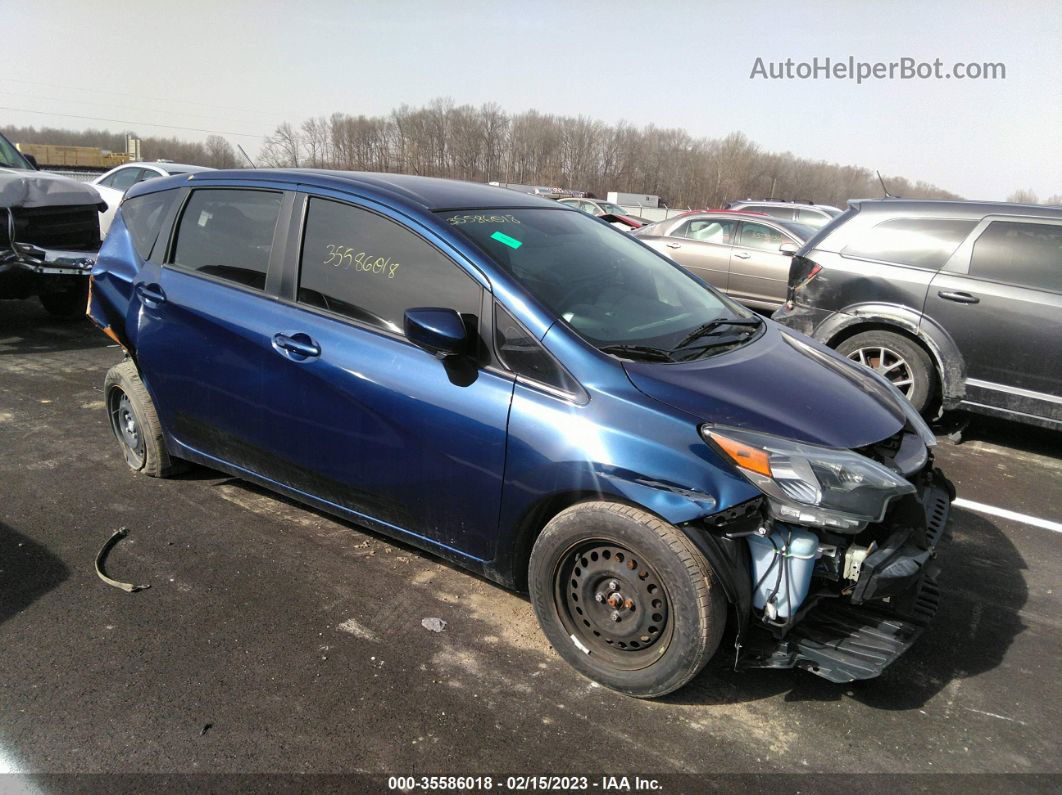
42,260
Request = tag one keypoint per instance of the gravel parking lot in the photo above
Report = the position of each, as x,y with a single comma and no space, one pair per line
275,638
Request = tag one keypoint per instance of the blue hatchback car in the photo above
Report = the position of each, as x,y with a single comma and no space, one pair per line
519,388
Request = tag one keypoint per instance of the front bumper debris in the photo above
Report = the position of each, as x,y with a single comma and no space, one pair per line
895,598
26,256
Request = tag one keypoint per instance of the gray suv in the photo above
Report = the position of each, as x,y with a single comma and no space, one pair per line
959,304
807,213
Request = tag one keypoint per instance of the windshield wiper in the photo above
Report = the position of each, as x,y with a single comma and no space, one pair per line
705,329
639,352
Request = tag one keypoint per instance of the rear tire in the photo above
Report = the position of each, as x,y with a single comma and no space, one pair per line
904,362
135,423
625,598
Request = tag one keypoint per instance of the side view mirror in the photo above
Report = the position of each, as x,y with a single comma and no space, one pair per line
32,161
436,330
789,249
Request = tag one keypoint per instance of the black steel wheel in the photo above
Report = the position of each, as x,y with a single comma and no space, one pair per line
135,423
625,598
126,428
613,603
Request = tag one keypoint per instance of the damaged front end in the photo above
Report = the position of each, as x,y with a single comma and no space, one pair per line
835,571
49,237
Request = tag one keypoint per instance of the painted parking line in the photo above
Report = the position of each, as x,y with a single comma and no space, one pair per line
980,507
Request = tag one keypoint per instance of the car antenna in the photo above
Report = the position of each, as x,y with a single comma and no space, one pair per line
884,187
246,156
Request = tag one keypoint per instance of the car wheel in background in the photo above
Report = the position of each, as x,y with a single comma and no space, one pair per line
625,598
135,423
69,302
904,362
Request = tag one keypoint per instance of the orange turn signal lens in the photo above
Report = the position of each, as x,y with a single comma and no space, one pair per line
745,456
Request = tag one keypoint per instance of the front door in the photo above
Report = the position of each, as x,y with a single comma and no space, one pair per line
704,246
366,420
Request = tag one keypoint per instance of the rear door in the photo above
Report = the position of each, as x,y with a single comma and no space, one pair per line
1002,305
759,272
364,419
204,342
703,245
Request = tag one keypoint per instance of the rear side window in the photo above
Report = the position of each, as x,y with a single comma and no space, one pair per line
122,179
523,354
359,264
918,242
785,213
812,218
143,218
1026,254
228,234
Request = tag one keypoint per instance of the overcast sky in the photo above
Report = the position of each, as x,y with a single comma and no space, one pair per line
243,67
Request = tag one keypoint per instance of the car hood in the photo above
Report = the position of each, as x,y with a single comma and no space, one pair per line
782,383
22,188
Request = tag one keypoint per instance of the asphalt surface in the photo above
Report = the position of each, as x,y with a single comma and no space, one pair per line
275,638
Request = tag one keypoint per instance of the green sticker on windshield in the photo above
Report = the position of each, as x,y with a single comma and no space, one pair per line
511,242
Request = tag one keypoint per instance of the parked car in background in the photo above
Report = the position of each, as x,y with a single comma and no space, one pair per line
745,256
599,208
49,234
960,301
807,213
113,184
523,390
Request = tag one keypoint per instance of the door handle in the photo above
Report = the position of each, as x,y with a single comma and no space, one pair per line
673,245
298,344
959,298
150,292
742,255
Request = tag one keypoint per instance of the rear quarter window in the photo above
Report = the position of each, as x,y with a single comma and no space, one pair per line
1025,254
143,216
917,242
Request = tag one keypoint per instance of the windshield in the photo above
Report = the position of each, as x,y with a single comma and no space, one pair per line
611,289
613,209
10,156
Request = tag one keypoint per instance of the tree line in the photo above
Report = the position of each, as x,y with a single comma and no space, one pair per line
214,151
486,144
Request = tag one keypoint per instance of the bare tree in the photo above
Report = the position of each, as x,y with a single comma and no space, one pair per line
219,153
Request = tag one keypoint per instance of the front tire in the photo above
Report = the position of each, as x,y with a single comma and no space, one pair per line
904,362
625,598
135,423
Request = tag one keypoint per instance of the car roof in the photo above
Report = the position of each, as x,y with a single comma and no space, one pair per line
418,193
770,203
165,165
952,207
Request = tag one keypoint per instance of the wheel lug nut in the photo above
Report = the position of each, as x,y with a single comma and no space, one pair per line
613,585
599,596
615,616
615,600
629,604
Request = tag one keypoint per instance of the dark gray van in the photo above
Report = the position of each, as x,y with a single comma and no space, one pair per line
959,304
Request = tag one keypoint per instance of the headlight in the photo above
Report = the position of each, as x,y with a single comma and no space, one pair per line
809,484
